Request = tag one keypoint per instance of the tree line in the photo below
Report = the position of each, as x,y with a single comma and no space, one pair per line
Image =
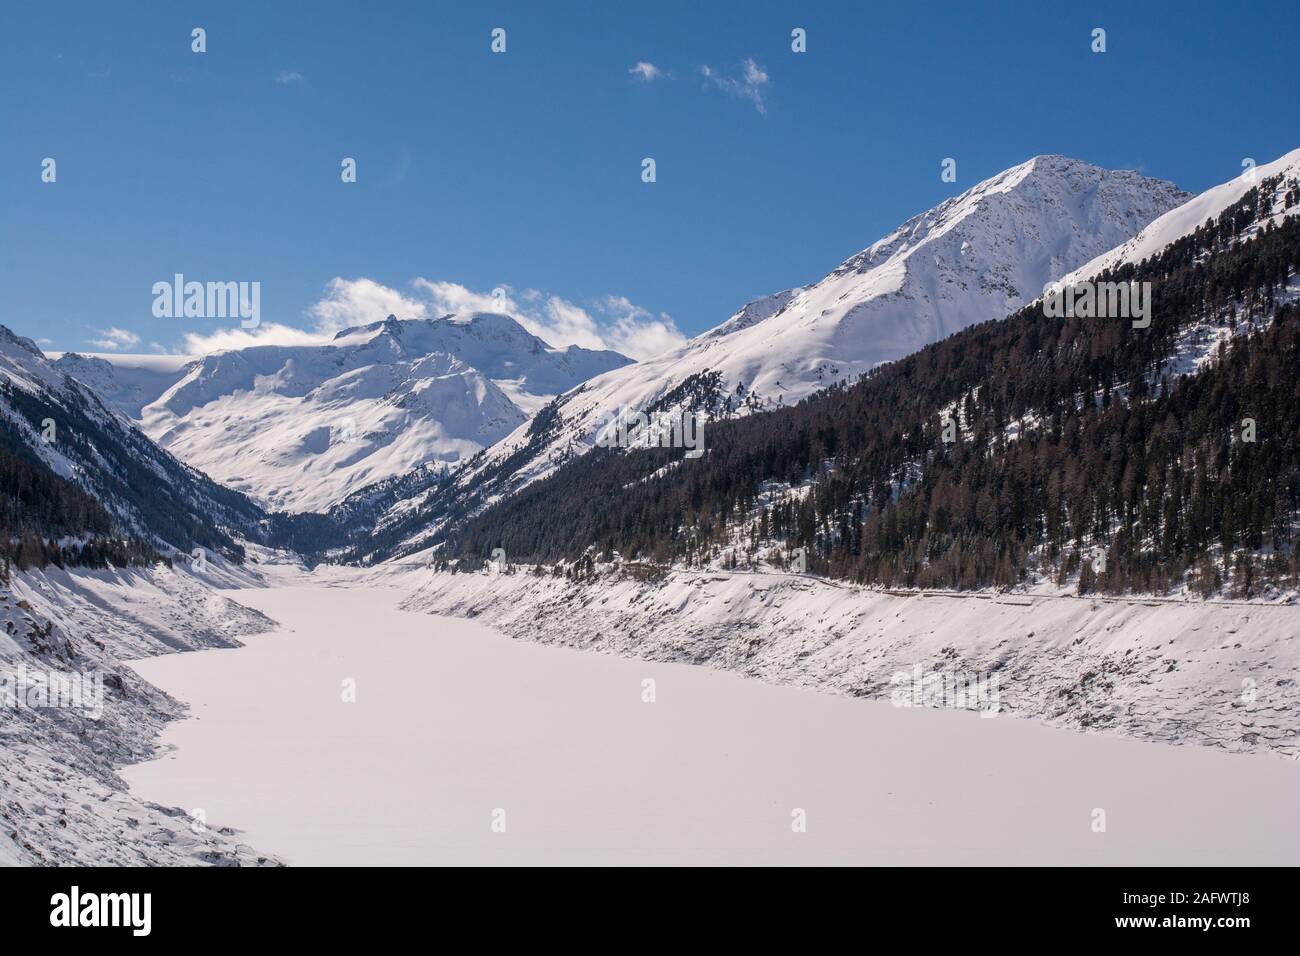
1077,447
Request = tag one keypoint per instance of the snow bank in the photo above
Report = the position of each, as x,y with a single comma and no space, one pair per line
61,800
1220,675
358,734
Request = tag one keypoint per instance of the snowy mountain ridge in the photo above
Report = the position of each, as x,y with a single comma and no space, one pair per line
1186,218
54,423
978,256
975,257
299,427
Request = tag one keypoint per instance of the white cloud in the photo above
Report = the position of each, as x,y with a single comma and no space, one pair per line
347,303
268,333
750,85
351,302
115,339
611,323
559,322
449,297
636,332
289,76
646,72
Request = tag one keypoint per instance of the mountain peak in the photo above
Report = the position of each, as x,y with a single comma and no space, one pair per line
476,321
1056,164
392,325
1050,208
1046,162
10,337
1283,172
495,321
977,256
300,426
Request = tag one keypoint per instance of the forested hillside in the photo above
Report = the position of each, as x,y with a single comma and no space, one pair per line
79,485
39,511
1173,450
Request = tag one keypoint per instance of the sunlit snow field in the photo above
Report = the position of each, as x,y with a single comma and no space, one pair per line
453,723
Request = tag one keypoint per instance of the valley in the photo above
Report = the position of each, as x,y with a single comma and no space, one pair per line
461,746
458,596
691,435
299,428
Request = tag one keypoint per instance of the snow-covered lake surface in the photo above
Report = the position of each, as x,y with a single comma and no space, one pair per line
453,724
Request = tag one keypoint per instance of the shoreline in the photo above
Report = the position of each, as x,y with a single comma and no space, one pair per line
1224,675
453,721
63,800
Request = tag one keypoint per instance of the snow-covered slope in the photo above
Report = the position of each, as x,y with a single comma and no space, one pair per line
64,801
298,428
125,383
976,257
54,423
973,258
1169,670
1188,217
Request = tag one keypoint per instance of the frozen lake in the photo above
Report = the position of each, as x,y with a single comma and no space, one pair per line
455,729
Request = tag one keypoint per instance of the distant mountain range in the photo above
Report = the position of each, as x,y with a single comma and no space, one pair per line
297,428
410,434
79,477
1103,451
976,257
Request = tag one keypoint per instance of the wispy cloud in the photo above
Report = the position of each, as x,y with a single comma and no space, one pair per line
268,333
115,339
609,323
613,322
751,84
289,76
646,72
346,303
351,302
638,333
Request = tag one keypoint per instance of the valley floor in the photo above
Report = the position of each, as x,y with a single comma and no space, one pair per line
402,716
460,745
1223,674
62,801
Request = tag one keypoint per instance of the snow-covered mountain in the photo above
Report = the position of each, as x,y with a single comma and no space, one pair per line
1193,214
1154,456
973,258
976,257
299,427
56,435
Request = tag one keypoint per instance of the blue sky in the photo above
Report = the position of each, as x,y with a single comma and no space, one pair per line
522,171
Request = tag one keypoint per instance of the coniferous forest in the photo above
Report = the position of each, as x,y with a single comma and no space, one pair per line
38,509
1076,445
53,519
